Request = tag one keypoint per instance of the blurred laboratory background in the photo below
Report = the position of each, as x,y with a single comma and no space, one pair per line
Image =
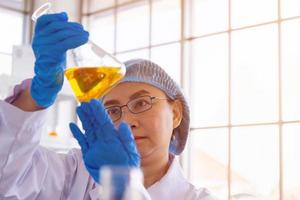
238,62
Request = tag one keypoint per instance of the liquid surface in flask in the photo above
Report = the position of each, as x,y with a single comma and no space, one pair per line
92,82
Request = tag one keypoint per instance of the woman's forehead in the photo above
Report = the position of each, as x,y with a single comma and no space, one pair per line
128,90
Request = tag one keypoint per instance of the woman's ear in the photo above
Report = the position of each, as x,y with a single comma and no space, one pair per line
177,113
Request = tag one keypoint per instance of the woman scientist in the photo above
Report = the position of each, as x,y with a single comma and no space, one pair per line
142,122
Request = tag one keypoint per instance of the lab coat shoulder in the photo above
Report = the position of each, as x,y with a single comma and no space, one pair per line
29,171
77,184
193,193
173,185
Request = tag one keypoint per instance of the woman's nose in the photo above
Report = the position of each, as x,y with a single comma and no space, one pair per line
130,118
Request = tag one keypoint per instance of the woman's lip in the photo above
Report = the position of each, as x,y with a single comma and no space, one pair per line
139,137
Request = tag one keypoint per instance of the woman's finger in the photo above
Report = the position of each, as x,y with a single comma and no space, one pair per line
79,136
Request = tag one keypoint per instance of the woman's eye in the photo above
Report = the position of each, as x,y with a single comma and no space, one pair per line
141,103
113,111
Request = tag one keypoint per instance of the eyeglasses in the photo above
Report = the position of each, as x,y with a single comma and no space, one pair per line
135,106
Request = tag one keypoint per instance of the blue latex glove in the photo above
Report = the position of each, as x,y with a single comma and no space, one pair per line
103,144
53,36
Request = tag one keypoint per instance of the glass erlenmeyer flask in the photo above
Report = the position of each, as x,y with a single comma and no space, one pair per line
95,71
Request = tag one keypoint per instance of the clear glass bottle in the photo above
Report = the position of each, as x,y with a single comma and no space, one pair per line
122,183
94,72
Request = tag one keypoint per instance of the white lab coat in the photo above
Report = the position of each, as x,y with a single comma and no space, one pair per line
28,171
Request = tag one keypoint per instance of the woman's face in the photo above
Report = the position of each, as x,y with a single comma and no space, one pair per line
153,128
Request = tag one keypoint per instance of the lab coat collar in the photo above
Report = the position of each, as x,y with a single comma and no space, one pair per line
170,182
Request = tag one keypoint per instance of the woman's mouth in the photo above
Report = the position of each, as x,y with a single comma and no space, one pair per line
139,138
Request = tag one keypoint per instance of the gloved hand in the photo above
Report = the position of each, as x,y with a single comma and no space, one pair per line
53,36
103,144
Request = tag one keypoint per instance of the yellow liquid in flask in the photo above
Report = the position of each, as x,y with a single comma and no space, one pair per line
92,82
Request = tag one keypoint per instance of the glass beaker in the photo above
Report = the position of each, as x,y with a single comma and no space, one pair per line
94,72
122,183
